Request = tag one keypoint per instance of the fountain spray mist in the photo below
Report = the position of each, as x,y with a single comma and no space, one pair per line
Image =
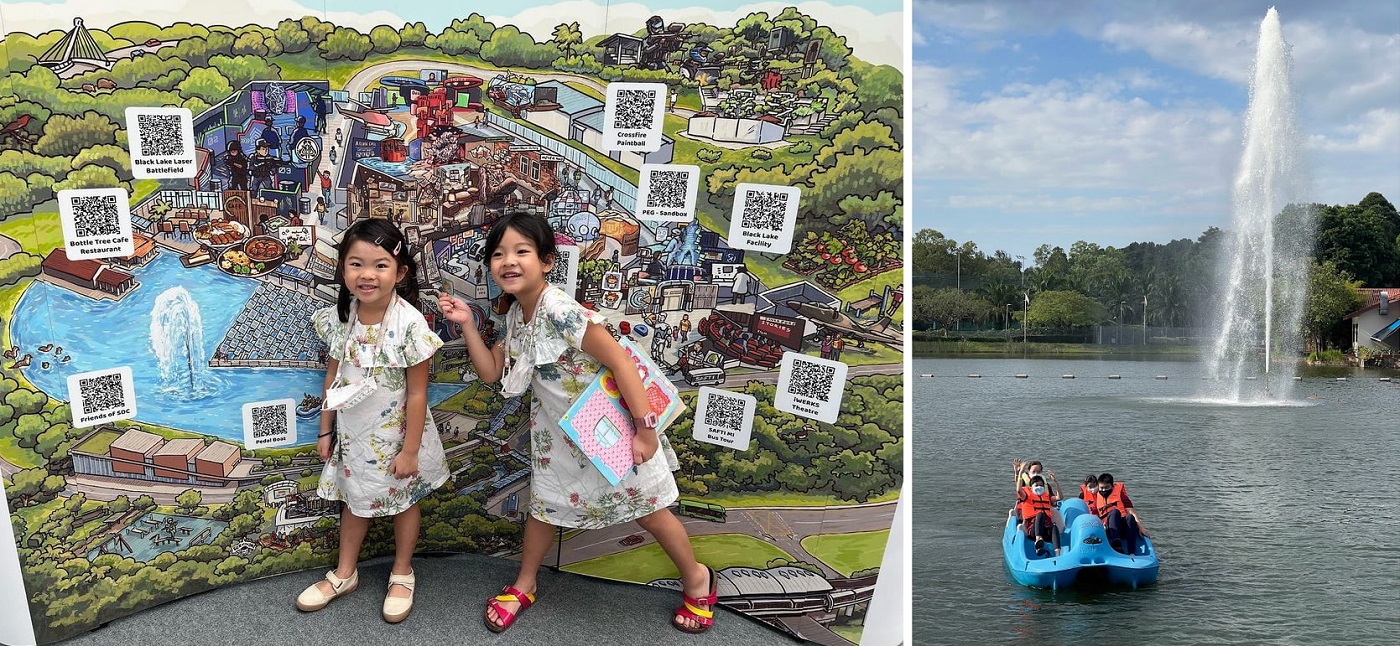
1264,265
177,339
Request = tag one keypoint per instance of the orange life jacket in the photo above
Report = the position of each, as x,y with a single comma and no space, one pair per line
1030,504
1090,498
1114,500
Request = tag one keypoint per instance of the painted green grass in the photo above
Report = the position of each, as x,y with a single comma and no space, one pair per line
847,553
851,633
17,455
649,562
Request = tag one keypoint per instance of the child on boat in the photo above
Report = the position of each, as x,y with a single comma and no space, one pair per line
1035,506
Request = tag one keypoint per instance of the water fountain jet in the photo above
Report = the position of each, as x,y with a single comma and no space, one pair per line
1263,270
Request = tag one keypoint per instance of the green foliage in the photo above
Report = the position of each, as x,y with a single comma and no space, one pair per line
91,176
1065,310
66,136
205,83
293,36
881,87
32,487
761,154
384,39
241,70
508,47
27,402
20,194
708,155
1361,240
585,64
346,43
454,43
188,499
316,29
865,135
110,156
567,36
800,147
1331,295
197,51
413,34
252,44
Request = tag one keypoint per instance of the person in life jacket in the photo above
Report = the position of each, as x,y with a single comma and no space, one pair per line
1120,522
1035,506
1089,493
1025,470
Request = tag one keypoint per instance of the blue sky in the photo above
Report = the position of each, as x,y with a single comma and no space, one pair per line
1053,121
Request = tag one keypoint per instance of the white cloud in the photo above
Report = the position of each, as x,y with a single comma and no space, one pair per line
875,38
1141,152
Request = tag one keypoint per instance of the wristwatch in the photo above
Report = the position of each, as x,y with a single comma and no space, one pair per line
650,421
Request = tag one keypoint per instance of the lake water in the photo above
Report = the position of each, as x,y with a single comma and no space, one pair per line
1274,523
107,334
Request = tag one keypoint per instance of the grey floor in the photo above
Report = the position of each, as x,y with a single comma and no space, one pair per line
448,605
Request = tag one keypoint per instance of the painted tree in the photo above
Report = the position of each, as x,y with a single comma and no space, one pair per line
188,500
567,36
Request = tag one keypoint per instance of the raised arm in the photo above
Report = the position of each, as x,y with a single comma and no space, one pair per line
489,362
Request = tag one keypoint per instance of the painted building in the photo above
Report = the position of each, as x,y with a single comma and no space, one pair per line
1376,326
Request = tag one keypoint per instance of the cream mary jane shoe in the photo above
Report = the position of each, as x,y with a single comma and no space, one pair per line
396,609
312,599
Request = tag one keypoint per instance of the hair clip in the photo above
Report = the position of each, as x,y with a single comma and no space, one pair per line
397,247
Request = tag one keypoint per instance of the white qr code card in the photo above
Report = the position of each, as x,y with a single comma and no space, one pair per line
632,117
270,423
724,418
764,217
96,222
564,274
161,141
810,387
668,192
102,396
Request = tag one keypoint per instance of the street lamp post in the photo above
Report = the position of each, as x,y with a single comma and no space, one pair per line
1008,322
1025,316
959,254
1144,319
1120,321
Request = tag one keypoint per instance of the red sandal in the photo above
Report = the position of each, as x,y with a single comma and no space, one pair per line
508,595
705,617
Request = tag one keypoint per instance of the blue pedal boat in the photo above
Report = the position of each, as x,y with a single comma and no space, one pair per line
1084,554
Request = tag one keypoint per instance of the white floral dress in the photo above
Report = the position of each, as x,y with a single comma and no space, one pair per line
565,488
371,433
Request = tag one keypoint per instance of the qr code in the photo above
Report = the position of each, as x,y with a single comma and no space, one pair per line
560,272
668,189
724,412
101,393
270,421
764,210
634,109
160,135
810,379
95,215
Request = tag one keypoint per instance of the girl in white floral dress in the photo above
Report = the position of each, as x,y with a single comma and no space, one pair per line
555,345
382,451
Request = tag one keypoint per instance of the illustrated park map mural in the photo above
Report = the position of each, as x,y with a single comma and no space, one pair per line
726,185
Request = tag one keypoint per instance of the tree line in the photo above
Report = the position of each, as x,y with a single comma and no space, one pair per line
957,284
